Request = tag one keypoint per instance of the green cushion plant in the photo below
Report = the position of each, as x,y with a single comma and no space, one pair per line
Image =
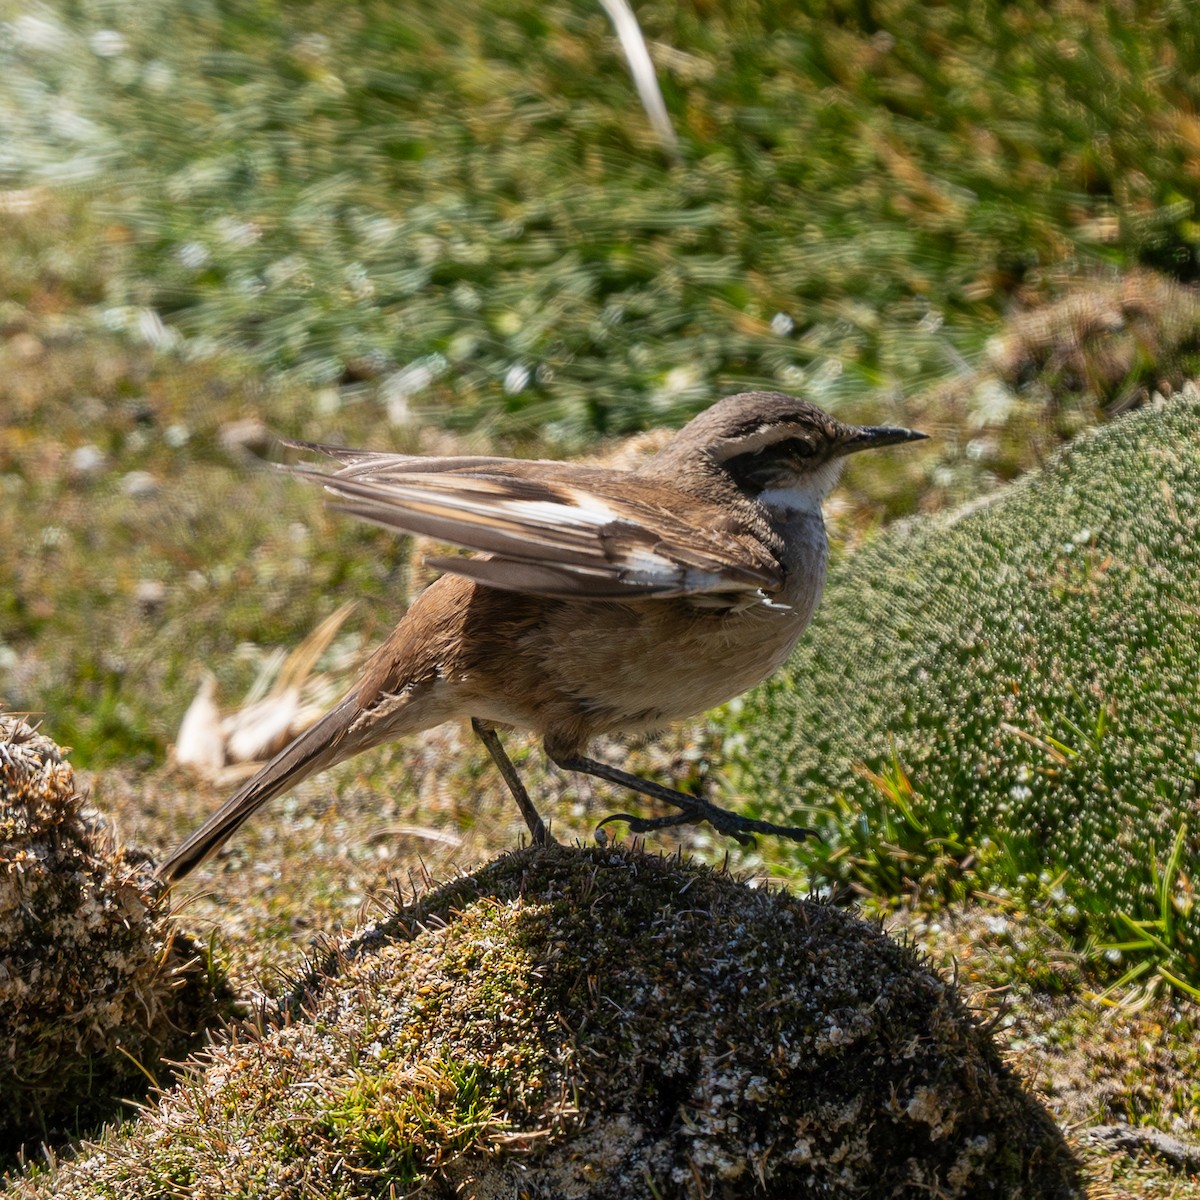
1011,690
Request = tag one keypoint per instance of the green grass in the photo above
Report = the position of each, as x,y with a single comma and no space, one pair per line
466,207
403,1122
1005,700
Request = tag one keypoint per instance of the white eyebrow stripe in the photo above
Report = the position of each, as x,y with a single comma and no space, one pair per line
758,439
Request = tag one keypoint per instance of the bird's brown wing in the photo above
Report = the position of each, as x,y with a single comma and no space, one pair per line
382,464
556,529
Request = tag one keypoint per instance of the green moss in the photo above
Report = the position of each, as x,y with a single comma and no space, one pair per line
1019,681
407,1123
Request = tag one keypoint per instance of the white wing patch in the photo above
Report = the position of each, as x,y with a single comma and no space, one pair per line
549,536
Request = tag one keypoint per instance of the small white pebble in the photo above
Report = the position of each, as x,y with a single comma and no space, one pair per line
139,484
88,460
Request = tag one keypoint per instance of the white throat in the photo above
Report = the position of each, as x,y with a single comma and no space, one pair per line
806,494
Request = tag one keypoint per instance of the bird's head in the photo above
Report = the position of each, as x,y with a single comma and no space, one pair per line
776,448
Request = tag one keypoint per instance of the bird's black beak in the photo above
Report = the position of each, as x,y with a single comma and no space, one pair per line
867,437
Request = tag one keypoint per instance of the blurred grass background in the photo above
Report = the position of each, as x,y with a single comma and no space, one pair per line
464,206
426,226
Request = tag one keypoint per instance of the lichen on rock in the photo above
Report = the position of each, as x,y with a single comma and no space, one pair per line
95,983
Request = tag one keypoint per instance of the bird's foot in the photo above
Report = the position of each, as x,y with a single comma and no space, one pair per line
694,810
731,824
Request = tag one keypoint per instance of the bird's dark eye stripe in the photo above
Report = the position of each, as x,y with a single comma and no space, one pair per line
792,448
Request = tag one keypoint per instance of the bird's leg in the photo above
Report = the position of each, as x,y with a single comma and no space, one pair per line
488,736
695,810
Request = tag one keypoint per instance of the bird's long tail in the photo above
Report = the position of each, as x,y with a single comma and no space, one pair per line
318,747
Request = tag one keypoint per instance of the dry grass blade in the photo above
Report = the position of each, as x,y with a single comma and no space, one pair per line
283,701
642,69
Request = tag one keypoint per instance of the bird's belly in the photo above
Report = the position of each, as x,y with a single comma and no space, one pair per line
577,669
661,670
710,668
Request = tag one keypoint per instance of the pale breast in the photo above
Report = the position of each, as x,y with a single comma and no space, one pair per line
571,669
636,667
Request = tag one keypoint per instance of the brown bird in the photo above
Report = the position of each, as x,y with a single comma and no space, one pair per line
600,601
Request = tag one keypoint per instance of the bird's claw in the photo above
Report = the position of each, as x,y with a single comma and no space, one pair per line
648,824
730,824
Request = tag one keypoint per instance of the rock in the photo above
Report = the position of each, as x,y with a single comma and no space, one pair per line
248,437
601,1024
140,485
96,984
88,460
150,595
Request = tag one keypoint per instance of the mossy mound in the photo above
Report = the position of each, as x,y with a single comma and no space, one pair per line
1020,681
598,1023
95,983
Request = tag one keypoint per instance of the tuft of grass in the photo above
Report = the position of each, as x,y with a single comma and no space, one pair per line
411,1123
1005,696
1153,941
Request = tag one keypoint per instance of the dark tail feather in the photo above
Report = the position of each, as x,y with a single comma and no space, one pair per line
316,748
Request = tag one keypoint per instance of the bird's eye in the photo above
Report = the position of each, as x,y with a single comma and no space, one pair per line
800,448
